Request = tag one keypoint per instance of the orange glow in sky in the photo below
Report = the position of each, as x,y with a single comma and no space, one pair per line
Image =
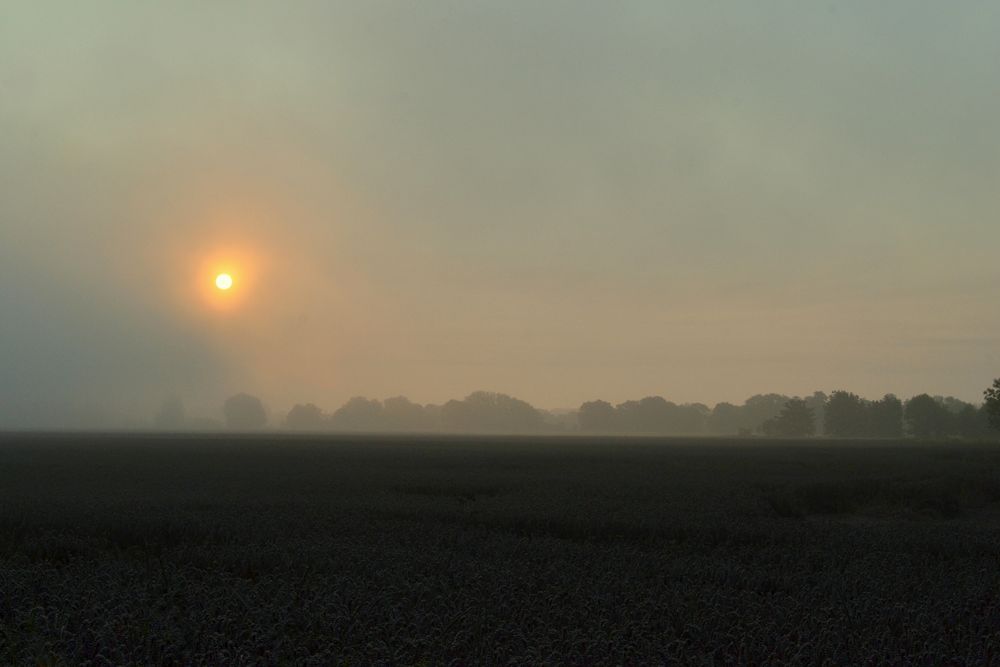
226,277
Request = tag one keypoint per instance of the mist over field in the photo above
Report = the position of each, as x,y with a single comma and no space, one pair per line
560,202
499,332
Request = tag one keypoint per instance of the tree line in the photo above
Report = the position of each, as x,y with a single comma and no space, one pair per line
840,414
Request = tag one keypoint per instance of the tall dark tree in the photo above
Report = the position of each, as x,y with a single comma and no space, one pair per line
991,404
885,417
845,415
244,412
796,420
926,418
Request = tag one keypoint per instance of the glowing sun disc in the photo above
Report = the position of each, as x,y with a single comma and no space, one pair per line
223,281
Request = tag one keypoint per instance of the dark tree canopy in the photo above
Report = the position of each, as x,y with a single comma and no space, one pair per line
760,408
401,414
598,417
885,417
926,417
652,415
845,415
725,419
244,412
491,412
359,414
796,420
970,422
306,417
991,404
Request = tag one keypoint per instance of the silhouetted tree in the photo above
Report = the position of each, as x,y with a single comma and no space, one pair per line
401,414
952,404
846,415
925,417
796,420
306,417
653,415
359,414
963,418
691,419
726,419
761,407
628,416
171,414
598,417
244,412
491,412
885,417
991,404
649,415
971,422
656,415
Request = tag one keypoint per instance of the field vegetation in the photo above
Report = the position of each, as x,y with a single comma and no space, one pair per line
448,550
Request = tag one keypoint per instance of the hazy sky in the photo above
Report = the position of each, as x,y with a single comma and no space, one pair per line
558,200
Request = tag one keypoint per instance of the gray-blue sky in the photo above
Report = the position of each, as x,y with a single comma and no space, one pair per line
560,200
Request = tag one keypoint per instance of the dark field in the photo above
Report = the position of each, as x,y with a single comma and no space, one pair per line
280,550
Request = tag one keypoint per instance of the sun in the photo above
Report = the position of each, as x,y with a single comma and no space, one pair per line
223,281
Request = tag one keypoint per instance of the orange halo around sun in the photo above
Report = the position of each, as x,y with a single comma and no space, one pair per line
225,278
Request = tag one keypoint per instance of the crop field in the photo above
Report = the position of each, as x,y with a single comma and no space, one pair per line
128,549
